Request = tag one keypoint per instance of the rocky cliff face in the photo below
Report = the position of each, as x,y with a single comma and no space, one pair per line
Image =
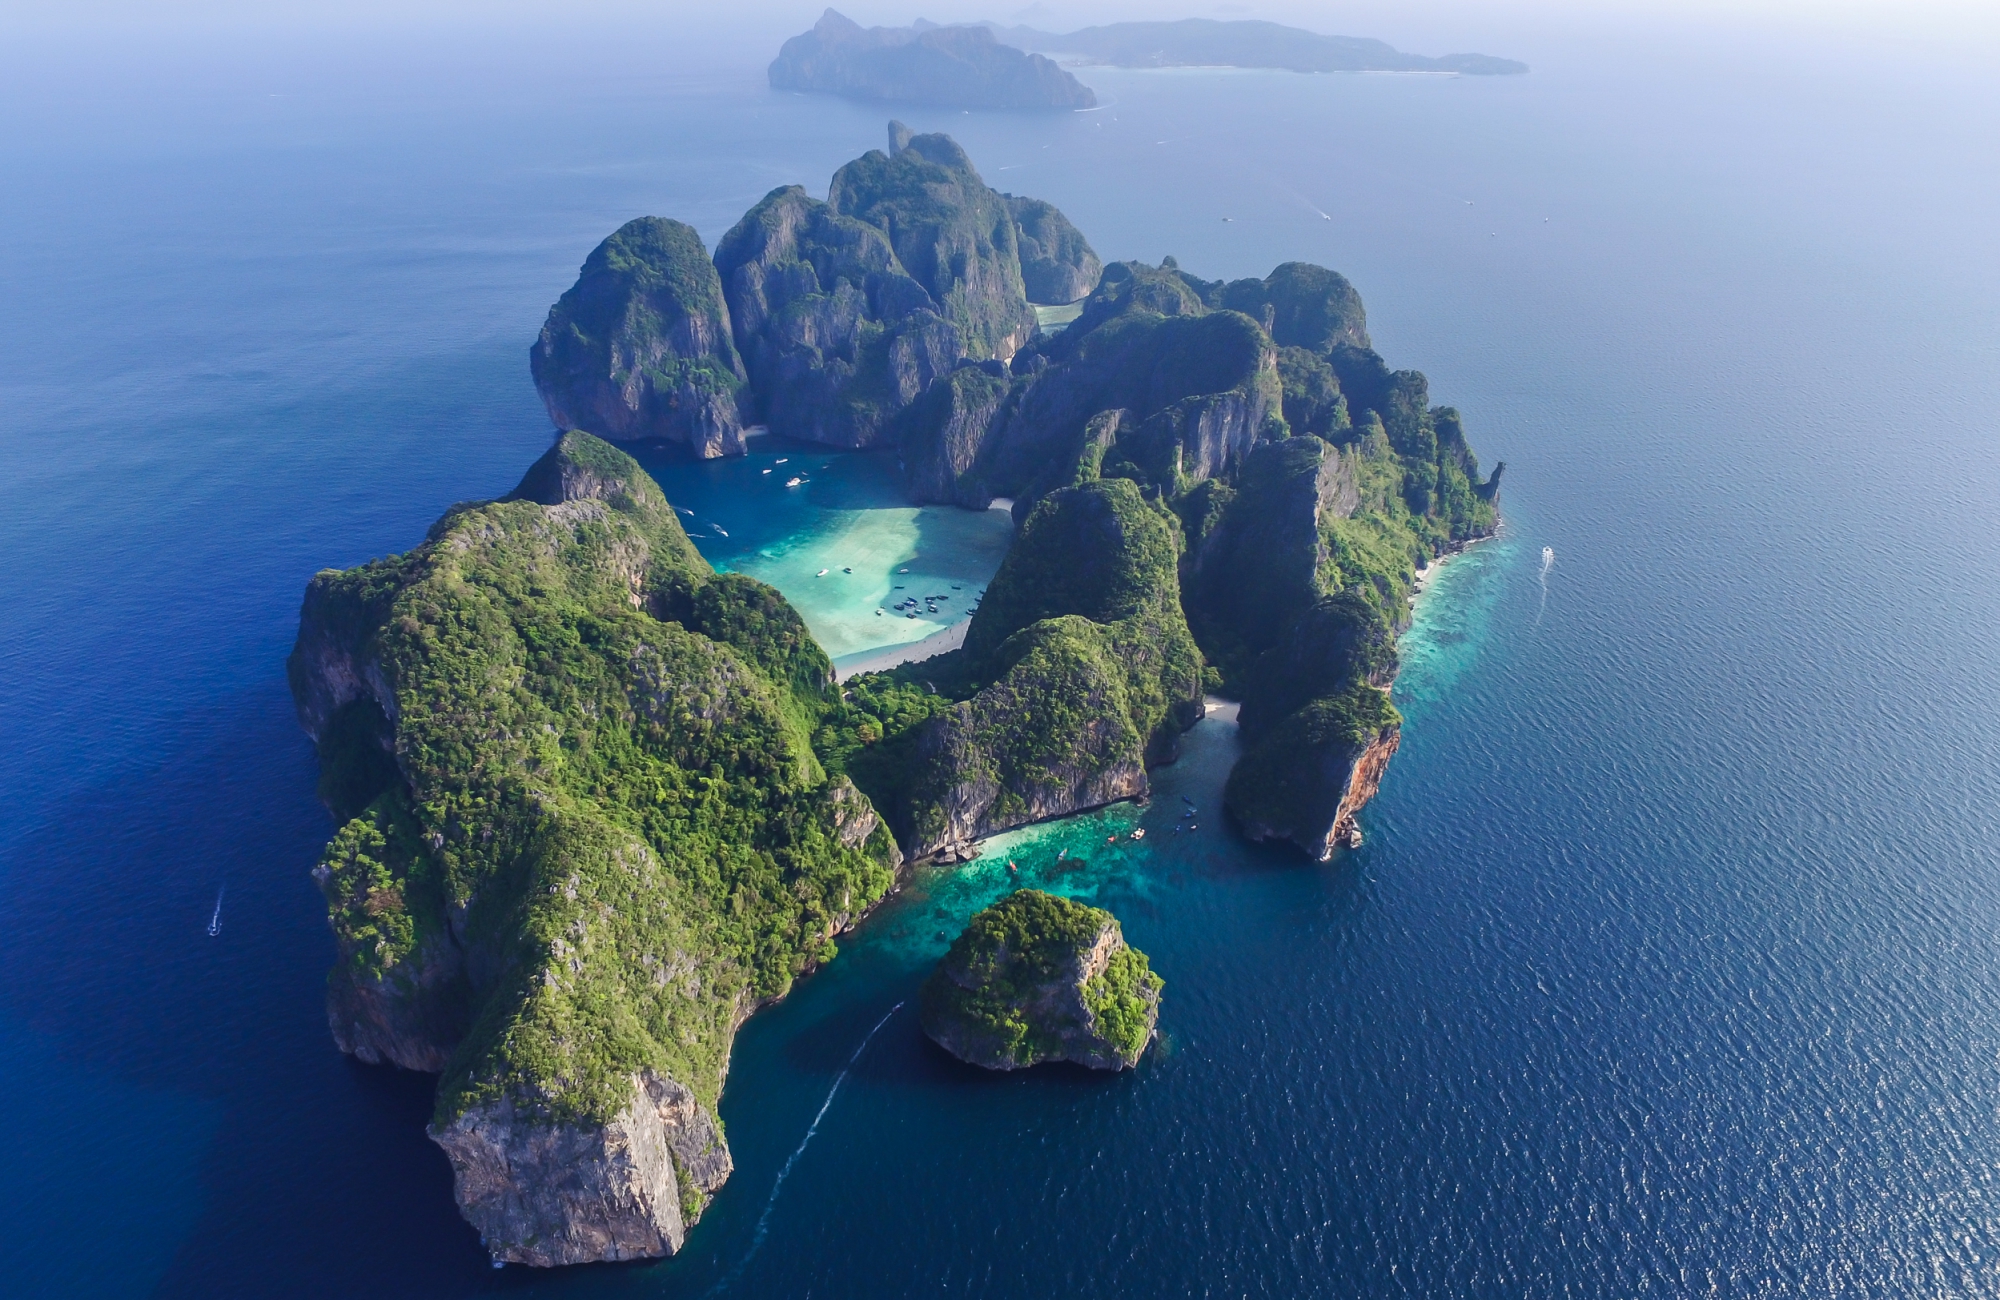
566,1193
848,311
1258,565
1038,978
1086,674
1058,265
557,741
1197,391
1314,770
951,67
641,347
838,337
951,234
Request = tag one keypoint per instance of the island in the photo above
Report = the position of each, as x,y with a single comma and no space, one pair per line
949,67
1242,43
596,803
1037,977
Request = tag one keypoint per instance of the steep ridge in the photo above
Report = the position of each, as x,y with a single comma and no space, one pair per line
641,346
847,310
584,834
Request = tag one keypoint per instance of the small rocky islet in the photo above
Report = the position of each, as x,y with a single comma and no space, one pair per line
1037,977
597,803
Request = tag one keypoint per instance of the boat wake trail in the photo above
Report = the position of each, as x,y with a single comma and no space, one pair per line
1548,562
215,921
764,1219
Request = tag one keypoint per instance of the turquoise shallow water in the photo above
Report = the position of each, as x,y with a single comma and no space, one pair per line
1670,965
845,516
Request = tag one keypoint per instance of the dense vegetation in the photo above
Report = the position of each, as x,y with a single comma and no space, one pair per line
1077,672
1014,989
604,788
640,346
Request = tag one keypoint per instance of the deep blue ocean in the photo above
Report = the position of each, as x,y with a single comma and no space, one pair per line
1671,965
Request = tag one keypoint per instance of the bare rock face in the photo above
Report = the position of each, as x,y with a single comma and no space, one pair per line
1253,572
952,234
950,424
641,345
548,1193
412,1015
1199,390
837,335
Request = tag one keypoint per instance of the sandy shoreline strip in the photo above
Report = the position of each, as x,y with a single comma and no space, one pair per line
875,661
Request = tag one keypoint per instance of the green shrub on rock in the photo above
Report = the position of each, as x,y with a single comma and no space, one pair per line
1037,977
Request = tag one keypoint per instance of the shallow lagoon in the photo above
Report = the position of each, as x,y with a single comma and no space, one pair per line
845,513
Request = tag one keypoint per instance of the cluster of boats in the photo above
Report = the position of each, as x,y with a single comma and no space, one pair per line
908,607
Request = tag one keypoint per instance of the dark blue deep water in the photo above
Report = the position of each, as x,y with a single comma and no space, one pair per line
1671,965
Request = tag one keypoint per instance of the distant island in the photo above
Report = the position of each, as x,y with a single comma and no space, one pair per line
1208,42
597,802
950,67
985,65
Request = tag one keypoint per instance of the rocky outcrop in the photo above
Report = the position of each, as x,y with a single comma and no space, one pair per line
1253,570
412,1015
1307,665
507,914
945,433
1058,265
545,1193
641,346
950,67
951,234
1302,306
1037,978
837,336
1087,675
1197,389
847,312
1364,781
1312,772
1001,760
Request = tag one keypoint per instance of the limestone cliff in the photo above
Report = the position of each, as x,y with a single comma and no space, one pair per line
1058,264
1198,390
584,833
847,311
641,347
1078,668
568,1193
950,232
1037,978
1310,774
